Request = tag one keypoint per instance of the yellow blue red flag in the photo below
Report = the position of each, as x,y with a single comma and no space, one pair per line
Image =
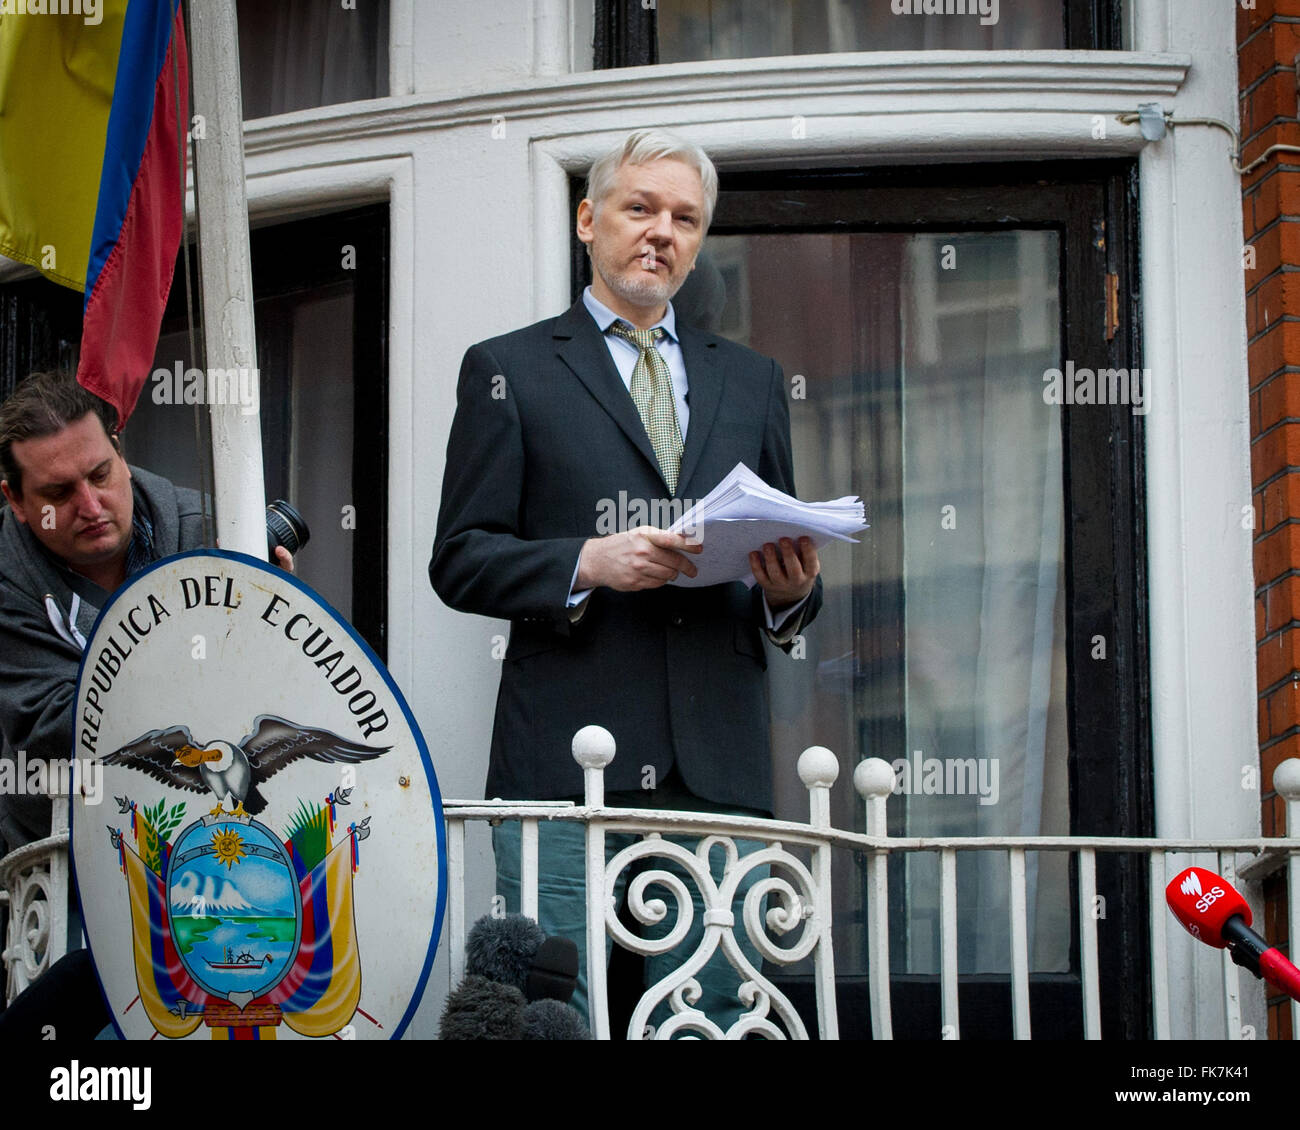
92,96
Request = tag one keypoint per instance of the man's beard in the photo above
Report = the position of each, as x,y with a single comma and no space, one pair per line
642,289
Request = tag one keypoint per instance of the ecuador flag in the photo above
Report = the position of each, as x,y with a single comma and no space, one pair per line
92,95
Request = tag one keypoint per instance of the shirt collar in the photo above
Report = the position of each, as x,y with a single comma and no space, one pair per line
605,317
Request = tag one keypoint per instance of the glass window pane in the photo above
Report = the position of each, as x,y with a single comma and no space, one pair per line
691,30
305,350
941,645
297,54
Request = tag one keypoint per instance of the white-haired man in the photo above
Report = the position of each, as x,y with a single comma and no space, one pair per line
555,422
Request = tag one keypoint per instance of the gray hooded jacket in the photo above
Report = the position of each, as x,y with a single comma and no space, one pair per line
39,661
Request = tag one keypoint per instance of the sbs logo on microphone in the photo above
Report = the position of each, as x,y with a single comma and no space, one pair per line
1191,884
1211,897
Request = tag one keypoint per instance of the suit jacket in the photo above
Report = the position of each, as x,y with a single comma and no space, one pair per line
544,439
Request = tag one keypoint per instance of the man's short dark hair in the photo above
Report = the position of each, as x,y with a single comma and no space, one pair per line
41,405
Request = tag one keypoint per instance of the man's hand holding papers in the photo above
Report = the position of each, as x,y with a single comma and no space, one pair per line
743,530
785,571
753,533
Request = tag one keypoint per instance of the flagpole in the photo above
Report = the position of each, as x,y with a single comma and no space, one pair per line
226,275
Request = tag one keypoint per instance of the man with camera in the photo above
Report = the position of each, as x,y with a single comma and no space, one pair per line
78,523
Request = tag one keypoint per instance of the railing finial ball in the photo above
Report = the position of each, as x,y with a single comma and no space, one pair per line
593,747
818,767
1286,778
873,777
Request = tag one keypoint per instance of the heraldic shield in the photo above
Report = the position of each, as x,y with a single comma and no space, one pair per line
227,899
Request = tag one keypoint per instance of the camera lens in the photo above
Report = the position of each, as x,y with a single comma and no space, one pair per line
286,527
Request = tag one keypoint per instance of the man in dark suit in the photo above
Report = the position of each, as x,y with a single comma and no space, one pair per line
610,404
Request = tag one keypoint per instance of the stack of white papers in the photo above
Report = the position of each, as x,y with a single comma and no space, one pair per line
742,513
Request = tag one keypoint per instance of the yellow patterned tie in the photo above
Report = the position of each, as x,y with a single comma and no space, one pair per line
652,391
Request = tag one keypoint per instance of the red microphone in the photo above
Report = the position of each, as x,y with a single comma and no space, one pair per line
1212,910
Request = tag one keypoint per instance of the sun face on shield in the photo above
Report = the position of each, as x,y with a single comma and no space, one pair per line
227,846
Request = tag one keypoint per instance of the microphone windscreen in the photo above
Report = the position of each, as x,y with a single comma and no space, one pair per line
1203,901
552,1020
480,1009
502,949
554,972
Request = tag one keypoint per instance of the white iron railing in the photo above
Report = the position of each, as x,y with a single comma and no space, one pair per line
800,898
34,884
34,891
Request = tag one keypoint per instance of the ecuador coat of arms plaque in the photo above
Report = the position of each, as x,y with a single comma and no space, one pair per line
263,853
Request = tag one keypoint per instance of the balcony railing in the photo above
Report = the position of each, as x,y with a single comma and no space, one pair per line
801,899
797,888
34,904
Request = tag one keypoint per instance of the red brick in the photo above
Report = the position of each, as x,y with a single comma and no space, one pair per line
1266,192
1271,101
1279,399
1272,452
1273,816
1288,747
1253,18
1276,295
1264,196
1248,228
1283,710
1277,658
1289,292
1261,616
1255,57
1269,252
1282,604
1272,350
1276,45
1276,188
1282,133
1277,502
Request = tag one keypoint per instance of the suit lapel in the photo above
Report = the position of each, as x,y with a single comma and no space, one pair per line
580,346
705,380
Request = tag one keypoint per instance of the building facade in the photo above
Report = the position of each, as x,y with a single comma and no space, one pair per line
1009,302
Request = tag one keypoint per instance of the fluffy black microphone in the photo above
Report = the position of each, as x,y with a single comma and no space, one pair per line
552,1020
481,1009
514,951
516,986
502,949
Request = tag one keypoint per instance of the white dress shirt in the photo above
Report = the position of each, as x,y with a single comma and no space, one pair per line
625,355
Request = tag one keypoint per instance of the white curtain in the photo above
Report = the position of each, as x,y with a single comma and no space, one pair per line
295,54
984,583
691,30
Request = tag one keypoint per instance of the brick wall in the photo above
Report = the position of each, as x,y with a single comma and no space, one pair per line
1268,47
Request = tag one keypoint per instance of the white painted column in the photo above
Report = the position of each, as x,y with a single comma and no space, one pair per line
227,277
1200,568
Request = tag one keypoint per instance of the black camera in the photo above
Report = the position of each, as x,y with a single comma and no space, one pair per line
286,527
